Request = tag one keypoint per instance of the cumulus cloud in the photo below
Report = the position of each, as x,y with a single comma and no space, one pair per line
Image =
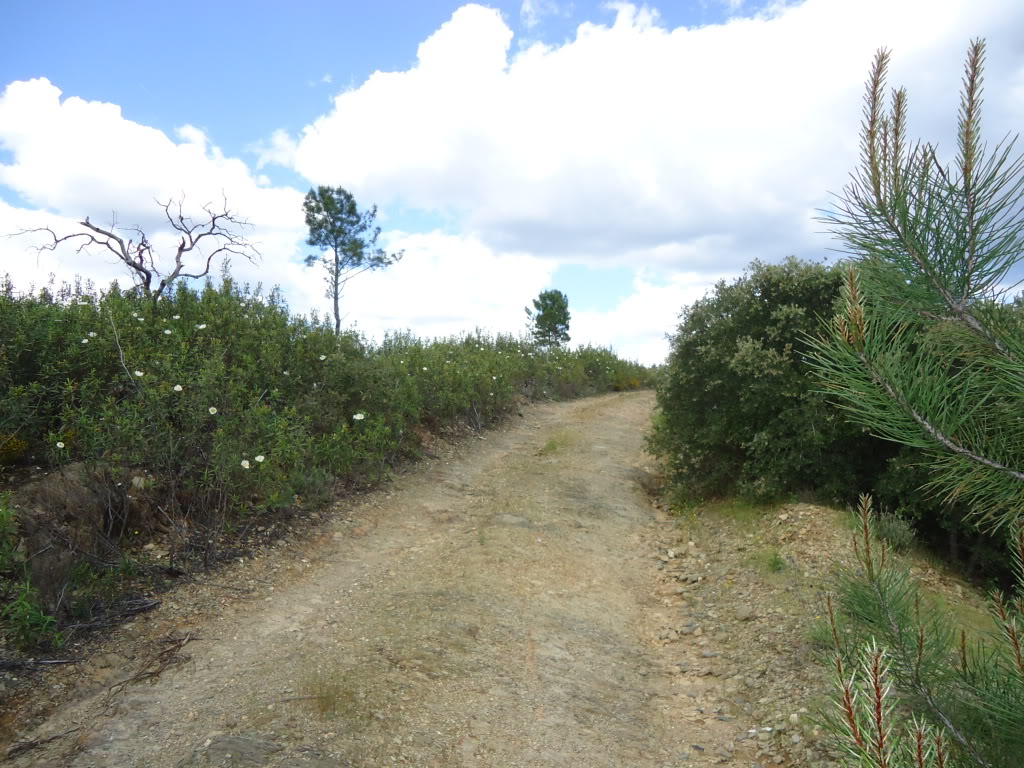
78,158
683,153
447,284
73,158
633,137
638,326
28,267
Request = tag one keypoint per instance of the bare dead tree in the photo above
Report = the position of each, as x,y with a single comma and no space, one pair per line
218,234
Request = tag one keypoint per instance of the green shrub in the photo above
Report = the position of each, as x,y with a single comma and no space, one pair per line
25,625
12,449
944,526
737,411
776,563
229,404
10,559
197,386
895,531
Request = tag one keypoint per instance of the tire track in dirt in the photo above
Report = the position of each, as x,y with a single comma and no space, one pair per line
492,610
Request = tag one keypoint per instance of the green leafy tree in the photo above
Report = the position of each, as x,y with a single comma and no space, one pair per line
926,351
549,318
347,239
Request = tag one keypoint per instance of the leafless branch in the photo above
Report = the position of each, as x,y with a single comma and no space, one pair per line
120,352
20,747
18,663
218,234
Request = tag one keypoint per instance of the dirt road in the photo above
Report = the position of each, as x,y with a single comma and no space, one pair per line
494,609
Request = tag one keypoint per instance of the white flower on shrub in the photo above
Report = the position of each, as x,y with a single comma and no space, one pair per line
213,411
494,378
201,326
92,334
167,331
140,374
323,357
178,387
260,458
359,416
60,445
85,341
424,367
135,314
176,317
245,463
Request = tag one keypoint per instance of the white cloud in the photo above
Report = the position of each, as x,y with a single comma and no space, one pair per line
531,12
279,150
638,325
636,137
325,79
77,158
26,266
445,285
74,158
680,152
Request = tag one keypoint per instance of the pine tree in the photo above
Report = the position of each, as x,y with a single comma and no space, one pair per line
347,239
549,318
927,351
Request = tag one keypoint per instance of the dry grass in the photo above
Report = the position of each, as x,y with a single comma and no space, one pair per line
332,693
557,442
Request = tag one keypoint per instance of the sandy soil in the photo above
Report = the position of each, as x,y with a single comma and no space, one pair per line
497,607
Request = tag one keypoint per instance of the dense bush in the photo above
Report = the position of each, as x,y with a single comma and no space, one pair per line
231,405
737,410
943,525
192,386
739,413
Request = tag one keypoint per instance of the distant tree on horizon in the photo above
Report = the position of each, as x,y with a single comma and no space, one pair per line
347,239
549,318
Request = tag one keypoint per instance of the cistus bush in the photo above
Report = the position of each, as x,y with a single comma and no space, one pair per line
737,410
230,402
12,449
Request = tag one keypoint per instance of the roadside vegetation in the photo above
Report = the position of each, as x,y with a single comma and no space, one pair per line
739,412
897,373
198,413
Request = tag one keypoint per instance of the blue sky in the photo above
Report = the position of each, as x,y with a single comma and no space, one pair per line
241,74
629,155
265,69
241,70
